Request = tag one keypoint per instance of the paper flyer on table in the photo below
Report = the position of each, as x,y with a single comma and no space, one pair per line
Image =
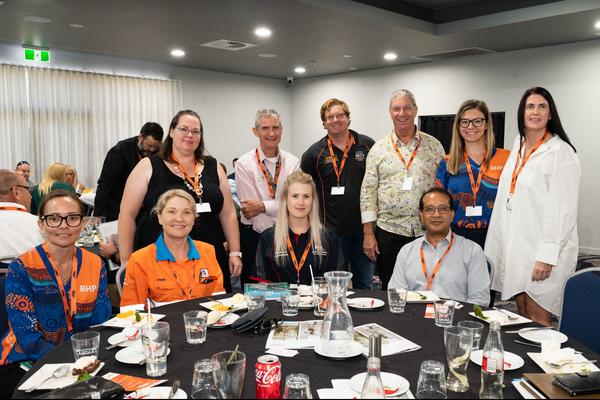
132,383
391,343
295,335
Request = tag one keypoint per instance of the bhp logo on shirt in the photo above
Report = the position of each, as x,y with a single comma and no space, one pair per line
496,167
87,288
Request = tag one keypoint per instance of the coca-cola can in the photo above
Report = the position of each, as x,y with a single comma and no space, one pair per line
268,377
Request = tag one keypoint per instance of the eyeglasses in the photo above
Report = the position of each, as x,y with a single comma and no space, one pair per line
431,210
405,108
338,116
28,188
54,221
477,122
185,131
267,325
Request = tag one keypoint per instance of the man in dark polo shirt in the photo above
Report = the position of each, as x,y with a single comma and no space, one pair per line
118,164
337,165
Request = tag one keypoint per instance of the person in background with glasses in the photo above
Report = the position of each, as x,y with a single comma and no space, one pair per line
54,179
20,231
447,264
24,169
55,290
472,170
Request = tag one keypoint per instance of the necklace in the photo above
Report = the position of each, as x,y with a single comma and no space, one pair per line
197,183
66,278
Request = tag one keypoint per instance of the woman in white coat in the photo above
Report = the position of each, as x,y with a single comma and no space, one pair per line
532,239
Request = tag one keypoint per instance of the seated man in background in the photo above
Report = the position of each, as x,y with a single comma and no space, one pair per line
447,264
20,231
24,169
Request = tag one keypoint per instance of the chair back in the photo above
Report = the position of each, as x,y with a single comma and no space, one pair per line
579,318
4,262
3,313
120,278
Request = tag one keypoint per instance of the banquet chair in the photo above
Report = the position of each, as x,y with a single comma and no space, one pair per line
3,313
120,278
4,262
579,318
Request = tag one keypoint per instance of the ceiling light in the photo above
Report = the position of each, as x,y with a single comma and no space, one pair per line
390,56
177,53
597,24
300,70
352,68
346,56
76,26
263,32
33,18
267,55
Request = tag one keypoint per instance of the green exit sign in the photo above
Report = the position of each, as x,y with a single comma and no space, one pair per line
36,55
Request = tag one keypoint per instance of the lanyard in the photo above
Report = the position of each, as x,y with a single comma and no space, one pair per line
140,157
195,182
3,208
70,303
437,266
295,260
412,157
475,186
516,173
272,183
339,172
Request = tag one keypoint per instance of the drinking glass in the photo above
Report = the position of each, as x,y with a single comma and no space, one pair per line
477,328
297,386
255,300
458,341
85,344
203,385
87,235
397,299
432,381
195,323
228,371
444,312
155,341
320,295
289,302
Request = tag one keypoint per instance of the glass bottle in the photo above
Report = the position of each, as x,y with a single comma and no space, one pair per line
337,334
492,365
373,386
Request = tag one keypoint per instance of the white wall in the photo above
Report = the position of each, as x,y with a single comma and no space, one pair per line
569,72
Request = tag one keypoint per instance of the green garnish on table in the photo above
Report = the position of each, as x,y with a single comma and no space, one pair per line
138,317
423,298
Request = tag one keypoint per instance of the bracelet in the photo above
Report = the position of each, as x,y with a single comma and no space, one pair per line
235,253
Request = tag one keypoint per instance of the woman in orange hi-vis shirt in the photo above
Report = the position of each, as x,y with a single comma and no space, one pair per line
175,267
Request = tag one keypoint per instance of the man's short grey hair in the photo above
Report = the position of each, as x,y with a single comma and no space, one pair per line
8,180
266,113
403,93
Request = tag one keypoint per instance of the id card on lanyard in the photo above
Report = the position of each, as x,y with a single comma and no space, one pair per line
475,210
339,190
408,180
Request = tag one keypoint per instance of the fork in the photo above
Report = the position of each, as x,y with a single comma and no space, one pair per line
560,365
510,317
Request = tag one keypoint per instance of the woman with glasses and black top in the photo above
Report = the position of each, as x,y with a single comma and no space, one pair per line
54,290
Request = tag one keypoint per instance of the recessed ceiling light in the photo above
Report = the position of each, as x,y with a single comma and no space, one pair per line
300,70
76,26
597,34
177,53
352,68
33,18
267,55
346,56
597,24
263,32
390,56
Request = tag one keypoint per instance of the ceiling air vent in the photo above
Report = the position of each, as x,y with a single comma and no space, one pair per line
226,44
472,51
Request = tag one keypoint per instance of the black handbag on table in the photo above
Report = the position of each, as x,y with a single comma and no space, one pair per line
86,389
250,320
579,383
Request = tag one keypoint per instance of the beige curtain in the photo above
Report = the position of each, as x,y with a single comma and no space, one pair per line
73,117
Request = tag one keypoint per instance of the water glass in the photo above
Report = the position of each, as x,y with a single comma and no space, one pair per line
87,235
477,328
397,299
432,381
228,372
289,302
195,323
255,300
85,344
297,386
155,341
203,385
444,312
320,295
458,341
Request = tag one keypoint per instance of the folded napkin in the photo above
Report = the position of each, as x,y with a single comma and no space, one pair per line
552,352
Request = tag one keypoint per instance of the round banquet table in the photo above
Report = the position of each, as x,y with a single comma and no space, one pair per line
411,325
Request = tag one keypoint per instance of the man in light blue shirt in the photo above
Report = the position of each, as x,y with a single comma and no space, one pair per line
447,264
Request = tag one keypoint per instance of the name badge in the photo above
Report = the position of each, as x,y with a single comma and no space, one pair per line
203,208
407,183
337,191
474,211
509,202
204,272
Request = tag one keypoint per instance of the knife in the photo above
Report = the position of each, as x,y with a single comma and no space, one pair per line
174,389
530,329
528,344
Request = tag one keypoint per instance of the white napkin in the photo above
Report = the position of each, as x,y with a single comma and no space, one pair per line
552,352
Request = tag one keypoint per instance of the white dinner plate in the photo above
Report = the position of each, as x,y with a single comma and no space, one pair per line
132,355
365,303
164,392
565,369
306,303
495,315
415,297
236,307
117,322
225,321
542,335
511,360
390,381
356,350
119,337
53,383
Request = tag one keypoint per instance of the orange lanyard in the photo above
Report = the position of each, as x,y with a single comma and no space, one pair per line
272,183
140,157
516,173
475,186
12,209
437,266
295,260
195,182
412,157
339,172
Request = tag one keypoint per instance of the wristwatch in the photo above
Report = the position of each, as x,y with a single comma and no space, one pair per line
235,253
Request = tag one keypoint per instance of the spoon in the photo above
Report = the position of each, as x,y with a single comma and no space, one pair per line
58,373
560,365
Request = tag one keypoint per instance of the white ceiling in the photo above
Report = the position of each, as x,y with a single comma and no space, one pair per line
303,31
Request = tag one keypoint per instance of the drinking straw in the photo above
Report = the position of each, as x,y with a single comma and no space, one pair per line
149,318
313,284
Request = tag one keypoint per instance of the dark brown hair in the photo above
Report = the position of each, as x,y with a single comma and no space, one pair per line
55,194
166,148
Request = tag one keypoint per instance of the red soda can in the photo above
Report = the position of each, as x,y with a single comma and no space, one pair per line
268,377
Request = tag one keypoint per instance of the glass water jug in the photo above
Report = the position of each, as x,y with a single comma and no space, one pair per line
338,331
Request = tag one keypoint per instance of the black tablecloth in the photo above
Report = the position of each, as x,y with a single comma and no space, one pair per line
411,324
